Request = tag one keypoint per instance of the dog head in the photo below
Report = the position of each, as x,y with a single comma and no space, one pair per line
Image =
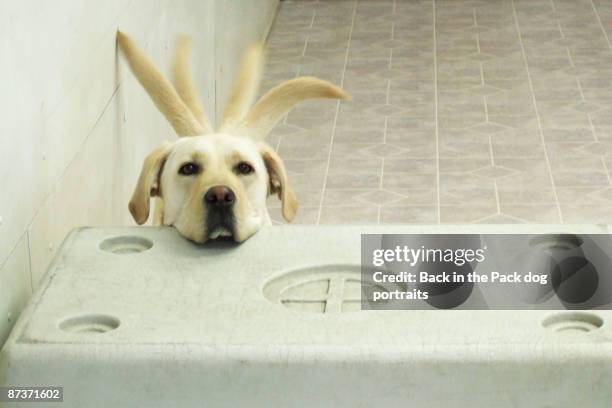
213,186
216,183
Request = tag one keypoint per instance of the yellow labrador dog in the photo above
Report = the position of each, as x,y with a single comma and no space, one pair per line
215,183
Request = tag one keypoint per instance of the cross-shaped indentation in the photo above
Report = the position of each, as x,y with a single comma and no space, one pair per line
325,289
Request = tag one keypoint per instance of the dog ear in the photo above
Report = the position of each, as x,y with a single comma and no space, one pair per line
148,183
279,100
183,80
163,94
279,183
245,87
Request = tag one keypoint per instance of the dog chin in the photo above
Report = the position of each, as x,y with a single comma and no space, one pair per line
243,229
220,232
225,233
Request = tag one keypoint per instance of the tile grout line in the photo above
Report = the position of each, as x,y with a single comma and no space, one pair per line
486,112
388,91
603,30
11,252
331,143
580,89
387,96
496,189
307,40
588,114
601,24
382,165
299,68
605,166
571,60
435,89
27,233
530,82
314,16
495,186
572,64
385,130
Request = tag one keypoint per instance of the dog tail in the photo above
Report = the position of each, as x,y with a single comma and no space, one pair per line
163,94
245,87
279,100
183,80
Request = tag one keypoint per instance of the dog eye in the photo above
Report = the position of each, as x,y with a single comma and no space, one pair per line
244,168
189,169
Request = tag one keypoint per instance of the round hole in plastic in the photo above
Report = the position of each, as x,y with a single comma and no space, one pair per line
574,322
90,324
556,241
126,244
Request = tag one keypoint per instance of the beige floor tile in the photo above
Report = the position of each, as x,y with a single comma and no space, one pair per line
580,179
463,165
400,164
455,141
522,188
532,212
416,214
380,197
584,196
355,165
427,195
305,216
345,197
595,214
349,215
307,181
466,213
352,180
303,149
408,180
305,166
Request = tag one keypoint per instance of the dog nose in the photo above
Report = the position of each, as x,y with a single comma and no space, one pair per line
219,196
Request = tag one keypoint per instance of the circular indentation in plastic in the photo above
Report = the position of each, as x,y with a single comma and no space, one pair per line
90,324
126,244
334,288
552,242
575,280
573,322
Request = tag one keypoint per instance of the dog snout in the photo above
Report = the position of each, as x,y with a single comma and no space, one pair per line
221,196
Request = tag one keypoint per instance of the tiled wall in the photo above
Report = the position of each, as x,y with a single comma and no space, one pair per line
74,123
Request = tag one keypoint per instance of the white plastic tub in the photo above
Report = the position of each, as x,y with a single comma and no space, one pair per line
141,317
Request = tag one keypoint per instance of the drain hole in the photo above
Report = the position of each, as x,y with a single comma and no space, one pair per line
575,322
555,242
90,324
126,245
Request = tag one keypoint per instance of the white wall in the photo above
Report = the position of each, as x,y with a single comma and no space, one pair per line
231,29
74,123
